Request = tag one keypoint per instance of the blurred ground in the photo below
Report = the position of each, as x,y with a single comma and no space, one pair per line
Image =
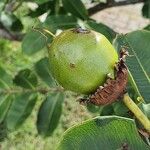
123,19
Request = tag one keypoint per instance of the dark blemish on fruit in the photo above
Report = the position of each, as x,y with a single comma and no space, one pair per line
72,65
80,30
125,146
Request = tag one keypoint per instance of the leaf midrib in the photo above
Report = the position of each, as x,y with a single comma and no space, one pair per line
25,108
28,82
4,83
34,43
138,61
52,110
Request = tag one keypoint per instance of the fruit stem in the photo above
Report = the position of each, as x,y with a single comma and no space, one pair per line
45,30
137,112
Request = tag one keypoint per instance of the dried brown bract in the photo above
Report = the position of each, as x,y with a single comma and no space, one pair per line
113,88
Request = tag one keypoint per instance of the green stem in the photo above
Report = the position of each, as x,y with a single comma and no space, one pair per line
45,30
137,112
57,6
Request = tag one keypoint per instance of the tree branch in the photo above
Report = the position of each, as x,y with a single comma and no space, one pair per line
6,34
111,3
36,90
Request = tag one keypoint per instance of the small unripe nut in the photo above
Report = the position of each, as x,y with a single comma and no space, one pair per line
81,59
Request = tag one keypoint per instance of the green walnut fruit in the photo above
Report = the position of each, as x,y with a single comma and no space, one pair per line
80,59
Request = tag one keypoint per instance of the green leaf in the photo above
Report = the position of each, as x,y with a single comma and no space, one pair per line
3,131
20,109
5,79
1,5
11,22
49,114
42,8
92,108
137,43
132,88
107,110
109,133
147,27
120,109
76,7
146,9
41,1
146,109
17,25
26,78
55,22
5,102
33,42
103,29
43,70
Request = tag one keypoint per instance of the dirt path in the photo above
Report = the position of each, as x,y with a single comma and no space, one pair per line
123,19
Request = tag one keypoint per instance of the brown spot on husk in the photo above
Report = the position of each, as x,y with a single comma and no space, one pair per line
72,65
